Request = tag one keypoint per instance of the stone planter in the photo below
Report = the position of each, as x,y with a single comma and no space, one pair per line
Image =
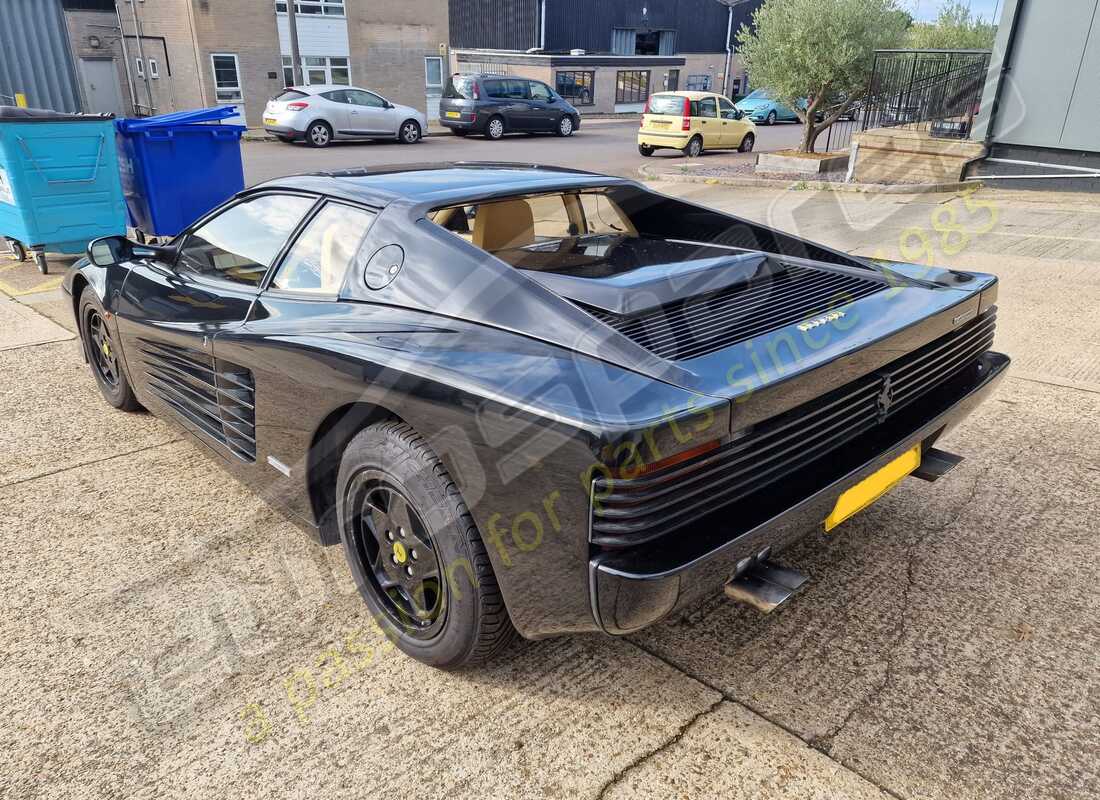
809,164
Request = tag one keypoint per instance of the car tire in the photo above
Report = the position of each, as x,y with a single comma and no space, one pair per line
748,141
645,150
410,132
17,251
565,126
319,134
389,479
694,147
772,117
99,349
494,128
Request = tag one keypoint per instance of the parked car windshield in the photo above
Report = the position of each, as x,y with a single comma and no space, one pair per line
666,104
460,87
760,94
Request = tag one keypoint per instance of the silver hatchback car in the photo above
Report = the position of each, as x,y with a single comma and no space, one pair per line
318,115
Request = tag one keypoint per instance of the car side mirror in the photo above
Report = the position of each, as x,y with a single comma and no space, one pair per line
115,249
388,104
737,113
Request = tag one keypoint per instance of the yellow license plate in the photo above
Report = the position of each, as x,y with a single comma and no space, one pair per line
270,120
873,487
454,114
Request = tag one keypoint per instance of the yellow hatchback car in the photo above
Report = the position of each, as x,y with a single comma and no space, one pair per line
693,122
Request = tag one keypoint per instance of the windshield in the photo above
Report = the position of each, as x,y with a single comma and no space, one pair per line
666,104
759,94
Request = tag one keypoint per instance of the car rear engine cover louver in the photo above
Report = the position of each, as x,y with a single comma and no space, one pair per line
635,510
213,395
707,323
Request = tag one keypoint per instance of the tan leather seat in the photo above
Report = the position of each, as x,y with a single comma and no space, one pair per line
509,223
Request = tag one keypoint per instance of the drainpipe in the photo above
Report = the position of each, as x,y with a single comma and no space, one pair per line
295,57
1006,68
126,64
141,55
729,54
542,26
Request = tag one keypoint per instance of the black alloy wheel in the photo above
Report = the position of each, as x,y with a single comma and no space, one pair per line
396,546
415,552
103,354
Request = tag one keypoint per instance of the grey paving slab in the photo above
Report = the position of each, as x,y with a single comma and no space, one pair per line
52,415
158,601
21,326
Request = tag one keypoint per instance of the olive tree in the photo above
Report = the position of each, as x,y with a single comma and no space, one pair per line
955,28
816,56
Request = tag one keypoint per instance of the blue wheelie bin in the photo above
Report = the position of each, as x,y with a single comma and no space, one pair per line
59,181
176,167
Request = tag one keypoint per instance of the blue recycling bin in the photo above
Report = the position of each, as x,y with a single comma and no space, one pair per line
59,181
176,167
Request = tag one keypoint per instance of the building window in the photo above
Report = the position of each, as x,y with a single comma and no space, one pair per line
154,70
329,8
227,81
698,83
140,67
319,69
433,71
577,87
632,86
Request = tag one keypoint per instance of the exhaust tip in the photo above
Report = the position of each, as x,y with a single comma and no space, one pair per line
765,586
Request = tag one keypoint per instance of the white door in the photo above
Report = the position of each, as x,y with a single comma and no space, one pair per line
99,77
433,85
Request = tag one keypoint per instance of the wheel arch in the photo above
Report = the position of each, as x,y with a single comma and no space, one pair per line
326,448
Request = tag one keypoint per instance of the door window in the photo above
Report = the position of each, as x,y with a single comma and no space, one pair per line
320,258
506,89
336,96
726,109
242,242
708,108
357,97
540,92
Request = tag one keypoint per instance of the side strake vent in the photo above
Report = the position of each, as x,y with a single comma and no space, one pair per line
701,325
215,396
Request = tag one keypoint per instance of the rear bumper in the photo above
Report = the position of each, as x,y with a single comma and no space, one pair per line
284,130
630,589
677,140
460,124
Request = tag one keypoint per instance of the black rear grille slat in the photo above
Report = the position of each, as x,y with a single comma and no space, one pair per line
215,396
701,325
639,509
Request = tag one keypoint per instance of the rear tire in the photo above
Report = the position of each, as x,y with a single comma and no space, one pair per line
645,150
694,148
103,357
319,134
494,128
403,520
748,141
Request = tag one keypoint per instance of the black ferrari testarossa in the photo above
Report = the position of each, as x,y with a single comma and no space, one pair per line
536,399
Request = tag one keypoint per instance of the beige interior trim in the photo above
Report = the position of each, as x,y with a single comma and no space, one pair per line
504,224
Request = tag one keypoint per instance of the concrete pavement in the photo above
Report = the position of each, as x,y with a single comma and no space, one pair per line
166,634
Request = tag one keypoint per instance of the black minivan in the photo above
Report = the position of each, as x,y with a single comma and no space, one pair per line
494,105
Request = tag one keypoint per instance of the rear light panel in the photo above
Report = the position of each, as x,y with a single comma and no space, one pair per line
685,123
297,106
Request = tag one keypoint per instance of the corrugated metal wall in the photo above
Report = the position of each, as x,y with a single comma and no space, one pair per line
496,24
34,55
700,25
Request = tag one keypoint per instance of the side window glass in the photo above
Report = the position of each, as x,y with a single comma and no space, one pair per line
320,258
707,107
361,98
694,108
727,109
516,90
540,92
338,96
494,88
241,243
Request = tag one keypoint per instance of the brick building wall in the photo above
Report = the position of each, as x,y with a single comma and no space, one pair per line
389,40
